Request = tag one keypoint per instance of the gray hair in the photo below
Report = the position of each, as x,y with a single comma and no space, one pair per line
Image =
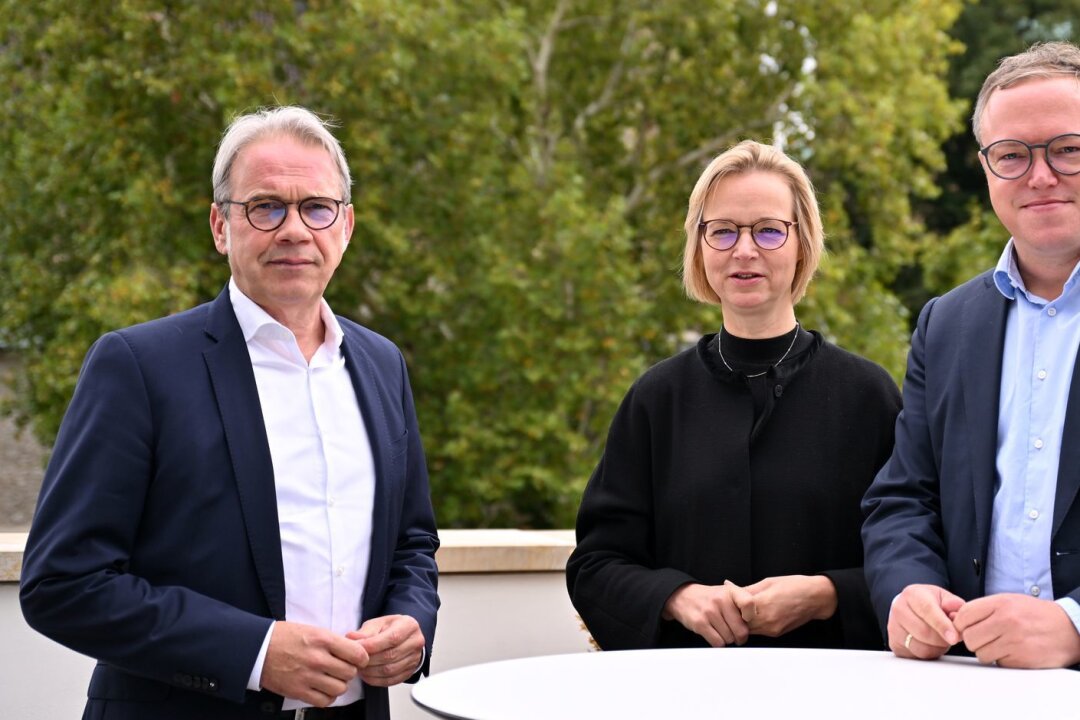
290,121
1041,60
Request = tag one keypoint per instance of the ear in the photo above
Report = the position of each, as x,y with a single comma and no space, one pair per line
350,221
217,229
985,167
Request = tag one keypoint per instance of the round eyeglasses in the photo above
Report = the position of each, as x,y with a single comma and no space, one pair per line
1011,159
767,233
266,214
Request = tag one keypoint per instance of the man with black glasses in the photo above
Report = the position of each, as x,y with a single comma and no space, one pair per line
236,519
973,527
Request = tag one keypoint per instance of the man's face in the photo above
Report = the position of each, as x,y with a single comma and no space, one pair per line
1041,209
285,270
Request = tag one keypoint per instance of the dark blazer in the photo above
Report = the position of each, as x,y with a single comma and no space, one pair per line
155,546
929,509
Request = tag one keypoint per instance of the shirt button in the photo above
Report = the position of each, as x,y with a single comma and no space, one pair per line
1051,312
1041,375
1038,443
330,501
1035,591
1033,514
340,570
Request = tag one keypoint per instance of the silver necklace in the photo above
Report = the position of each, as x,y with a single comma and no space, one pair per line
782,357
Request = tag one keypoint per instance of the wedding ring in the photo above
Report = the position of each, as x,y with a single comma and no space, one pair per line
907,642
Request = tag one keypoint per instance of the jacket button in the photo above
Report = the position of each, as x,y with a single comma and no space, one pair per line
778,390
267,707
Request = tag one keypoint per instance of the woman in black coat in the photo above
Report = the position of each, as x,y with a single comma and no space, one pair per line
725,509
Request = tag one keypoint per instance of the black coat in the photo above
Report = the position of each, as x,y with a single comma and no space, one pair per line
686,492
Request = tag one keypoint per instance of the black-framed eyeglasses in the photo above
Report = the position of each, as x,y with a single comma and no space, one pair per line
266,214
1011,159
767,233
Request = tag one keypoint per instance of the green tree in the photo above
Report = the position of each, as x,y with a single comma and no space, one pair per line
522,172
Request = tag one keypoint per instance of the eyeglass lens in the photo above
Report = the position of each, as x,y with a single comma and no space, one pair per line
269,214
767,234
1010,159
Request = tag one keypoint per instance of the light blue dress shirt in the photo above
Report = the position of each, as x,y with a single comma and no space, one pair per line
1041,340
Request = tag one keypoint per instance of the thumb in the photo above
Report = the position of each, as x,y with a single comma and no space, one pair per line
743,600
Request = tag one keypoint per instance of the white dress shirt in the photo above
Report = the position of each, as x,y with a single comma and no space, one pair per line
324,475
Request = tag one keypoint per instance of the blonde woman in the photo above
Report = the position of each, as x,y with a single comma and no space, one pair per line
725,508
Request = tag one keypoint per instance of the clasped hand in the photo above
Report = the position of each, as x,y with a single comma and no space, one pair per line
315,665
1009,629
728,614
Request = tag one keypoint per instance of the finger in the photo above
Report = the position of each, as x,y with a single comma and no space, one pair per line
317,698
346,652
402,668
724,631
327,686
740,631
370,628
973,613
931,621
399,630
380,681
707,631
990,653
743,600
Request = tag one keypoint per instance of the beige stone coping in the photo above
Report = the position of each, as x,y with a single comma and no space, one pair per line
462,551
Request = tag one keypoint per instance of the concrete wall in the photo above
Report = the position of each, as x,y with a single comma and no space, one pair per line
491,611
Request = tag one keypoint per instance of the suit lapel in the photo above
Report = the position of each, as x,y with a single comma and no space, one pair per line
982,338
362,373
1068,479
233,381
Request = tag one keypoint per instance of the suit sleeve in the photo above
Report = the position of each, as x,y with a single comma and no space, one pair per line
77,587
413,583
612,575
902,536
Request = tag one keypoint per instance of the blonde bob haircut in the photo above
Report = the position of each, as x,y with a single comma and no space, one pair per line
750,156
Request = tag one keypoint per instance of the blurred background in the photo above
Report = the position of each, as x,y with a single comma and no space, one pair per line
521,177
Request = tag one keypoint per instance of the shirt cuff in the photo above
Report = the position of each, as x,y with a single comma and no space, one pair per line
423,654
1072,608
254,680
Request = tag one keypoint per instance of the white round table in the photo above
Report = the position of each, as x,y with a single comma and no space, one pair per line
748,684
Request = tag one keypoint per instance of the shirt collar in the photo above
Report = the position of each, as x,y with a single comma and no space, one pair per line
253,319
1008,280
1007,274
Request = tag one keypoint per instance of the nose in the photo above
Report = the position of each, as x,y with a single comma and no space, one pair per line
1041,174
744,244
293,229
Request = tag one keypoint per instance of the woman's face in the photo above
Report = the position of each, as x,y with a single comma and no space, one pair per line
754,285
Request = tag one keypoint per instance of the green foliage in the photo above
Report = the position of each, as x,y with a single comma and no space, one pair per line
522,172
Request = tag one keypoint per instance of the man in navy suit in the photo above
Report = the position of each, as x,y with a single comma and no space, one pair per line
236,519
973,526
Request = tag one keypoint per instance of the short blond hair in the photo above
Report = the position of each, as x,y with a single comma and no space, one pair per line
750,156
1040,61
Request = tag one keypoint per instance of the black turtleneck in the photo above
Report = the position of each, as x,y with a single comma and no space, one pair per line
748,357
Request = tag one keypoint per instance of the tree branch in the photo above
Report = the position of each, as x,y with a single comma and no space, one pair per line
612,82
706,149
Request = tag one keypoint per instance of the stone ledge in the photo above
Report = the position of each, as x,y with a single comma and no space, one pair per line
462,551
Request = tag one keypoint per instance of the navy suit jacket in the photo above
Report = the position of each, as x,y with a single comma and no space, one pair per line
155,545
929,509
